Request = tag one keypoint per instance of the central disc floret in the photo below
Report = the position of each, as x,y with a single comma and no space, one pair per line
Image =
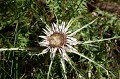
57,39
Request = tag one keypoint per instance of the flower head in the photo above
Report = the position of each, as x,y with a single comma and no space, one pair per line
58,38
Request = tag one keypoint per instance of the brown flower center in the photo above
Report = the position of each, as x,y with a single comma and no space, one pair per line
57,40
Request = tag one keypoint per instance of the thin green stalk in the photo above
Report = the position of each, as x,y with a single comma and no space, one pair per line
76,52
107,39
79,74
13,70
3,64
11,49
17,70
50,66
63,67
85,26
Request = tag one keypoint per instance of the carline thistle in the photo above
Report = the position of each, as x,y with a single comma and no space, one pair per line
58,38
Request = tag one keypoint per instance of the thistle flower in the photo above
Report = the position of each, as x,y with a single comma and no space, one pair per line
58,39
